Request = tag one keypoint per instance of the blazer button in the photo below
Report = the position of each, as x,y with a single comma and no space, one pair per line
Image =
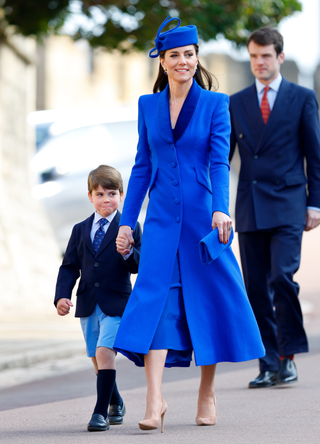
96,264
255,157
240,136
177,219
176,201
97,284
254,182
173,164
175,183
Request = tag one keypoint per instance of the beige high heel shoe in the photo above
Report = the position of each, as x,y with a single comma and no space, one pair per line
207,420
152,424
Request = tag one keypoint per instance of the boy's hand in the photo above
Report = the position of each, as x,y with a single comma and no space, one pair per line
123,245
124,240
63,306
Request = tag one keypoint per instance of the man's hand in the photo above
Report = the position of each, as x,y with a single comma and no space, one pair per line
63,306
224,223
312,219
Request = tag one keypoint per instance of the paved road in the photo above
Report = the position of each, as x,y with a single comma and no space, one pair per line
56,403
57,409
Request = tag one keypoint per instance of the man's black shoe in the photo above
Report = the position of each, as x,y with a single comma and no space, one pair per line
98,423
265,379
116,414
288,372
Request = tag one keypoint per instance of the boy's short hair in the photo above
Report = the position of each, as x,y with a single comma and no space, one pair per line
267,36
106,176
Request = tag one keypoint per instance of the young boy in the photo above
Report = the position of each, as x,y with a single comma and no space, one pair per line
104,287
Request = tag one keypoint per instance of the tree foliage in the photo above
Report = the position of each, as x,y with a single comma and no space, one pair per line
132,24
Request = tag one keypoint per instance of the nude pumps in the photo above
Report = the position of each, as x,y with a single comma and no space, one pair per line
152,424
207,420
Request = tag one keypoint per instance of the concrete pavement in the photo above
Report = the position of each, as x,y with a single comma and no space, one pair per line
284,415
33,348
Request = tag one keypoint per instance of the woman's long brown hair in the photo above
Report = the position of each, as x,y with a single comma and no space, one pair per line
203,77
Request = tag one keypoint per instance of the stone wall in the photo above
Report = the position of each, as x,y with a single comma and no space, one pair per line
71,74
29,257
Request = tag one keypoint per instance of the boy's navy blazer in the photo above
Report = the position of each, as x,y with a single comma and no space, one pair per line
273,188
104,275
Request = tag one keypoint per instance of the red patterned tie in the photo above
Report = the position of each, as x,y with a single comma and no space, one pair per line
265,107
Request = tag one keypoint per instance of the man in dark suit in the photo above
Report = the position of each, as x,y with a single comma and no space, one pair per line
275,124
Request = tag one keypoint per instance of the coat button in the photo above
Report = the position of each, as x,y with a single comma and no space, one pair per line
240,136
173,164
175,183
177,219
255,157
96,264
176,201
254,182
97,284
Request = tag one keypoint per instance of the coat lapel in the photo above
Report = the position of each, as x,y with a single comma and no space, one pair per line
187,110
251,104
163,116
111,233
185,116
86,230
284,97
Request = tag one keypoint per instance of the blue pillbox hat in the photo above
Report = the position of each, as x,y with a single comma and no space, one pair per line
175,37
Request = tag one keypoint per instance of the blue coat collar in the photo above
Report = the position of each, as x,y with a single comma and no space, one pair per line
186,113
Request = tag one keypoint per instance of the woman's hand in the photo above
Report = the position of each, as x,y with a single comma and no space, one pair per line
224,223
124,240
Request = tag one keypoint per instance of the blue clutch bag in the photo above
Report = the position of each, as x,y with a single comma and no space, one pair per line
210,247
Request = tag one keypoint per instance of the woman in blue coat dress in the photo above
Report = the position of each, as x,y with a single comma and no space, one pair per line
180,305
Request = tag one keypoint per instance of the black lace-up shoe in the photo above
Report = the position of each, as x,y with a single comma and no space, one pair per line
288,372
265,379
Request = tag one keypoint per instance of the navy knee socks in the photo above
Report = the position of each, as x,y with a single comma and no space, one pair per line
105,384
115,397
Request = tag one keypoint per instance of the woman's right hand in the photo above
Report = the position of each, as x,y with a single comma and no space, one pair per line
125,233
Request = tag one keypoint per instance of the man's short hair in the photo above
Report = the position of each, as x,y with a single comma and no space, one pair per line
267,36
106,176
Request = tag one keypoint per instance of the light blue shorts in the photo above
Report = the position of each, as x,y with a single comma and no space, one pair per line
99,330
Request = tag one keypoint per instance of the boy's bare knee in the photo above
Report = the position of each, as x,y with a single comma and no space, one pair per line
105,358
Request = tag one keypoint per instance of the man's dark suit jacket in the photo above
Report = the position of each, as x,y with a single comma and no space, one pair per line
105,275
272,182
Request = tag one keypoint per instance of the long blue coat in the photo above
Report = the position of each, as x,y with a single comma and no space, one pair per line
187,181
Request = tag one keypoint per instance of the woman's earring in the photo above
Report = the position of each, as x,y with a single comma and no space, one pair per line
165,71
195,72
